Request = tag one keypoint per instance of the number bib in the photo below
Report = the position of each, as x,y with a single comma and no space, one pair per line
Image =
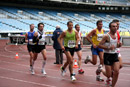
99,37
71,43
30,42
41,42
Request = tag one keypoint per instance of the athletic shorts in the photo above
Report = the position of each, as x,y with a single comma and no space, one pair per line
95,51
78,49
71,50
110,59
30,48
39,48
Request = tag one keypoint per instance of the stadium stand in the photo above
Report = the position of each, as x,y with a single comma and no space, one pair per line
14,19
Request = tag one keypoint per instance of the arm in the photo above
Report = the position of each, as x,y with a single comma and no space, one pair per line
54,35
77,39
26,38
104,39
60,40
35,37
89,35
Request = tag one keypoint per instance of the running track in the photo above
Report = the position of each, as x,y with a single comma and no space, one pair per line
15,72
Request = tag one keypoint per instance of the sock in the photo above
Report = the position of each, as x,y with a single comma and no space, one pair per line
44,63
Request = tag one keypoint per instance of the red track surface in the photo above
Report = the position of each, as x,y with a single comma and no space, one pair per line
15,73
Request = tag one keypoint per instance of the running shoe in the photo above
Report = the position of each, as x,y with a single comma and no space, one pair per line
62,71
44,72
73,78
32,72
99,78
99,70
80,71
87,59
108,82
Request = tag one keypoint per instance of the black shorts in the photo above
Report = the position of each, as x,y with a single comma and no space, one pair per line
39,48
110,59
78,49
30,48
71,50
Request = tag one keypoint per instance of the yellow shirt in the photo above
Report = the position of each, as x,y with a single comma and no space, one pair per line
98,37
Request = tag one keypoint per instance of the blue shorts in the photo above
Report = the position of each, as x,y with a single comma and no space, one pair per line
95,51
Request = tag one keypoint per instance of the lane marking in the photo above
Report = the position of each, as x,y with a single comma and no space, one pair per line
19,80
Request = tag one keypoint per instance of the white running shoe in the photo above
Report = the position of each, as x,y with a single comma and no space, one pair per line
87,59
32,72
99,78
73,78
62,71
44,72
99,69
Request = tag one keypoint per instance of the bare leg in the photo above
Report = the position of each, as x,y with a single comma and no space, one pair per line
116,73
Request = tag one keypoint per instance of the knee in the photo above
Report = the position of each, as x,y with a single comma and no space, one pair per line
116,72
94,63
71,62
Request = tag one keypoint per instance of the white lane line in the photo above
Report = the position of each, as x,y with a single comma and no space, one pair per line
60,78
19,80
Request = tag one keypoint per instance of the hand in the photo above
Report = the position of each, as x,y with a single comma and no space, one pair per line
112,47
76,46
119,44
63,48
40,37
94,46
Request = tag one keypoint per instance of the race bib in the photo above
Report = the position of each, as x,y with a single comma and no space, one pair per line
30,41
71,43
99,37
41,42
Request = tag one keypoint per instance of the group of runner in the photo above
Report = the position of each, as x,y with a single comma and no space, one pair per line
106,46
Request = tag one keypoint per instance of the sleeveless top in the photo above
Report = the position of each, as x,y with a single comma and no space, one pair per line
42,40
69,39
98,37
30,38
79,34
109,44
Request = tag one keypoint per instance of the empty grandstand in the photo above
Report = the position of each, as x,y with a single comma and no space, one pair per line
16,19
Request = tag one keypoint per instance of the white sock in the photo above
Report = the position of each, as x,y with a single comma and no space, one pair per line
44,63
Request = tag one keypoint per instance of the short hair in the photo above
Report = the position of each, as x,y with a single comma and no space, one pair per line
110,24
31,25
98,22
69,22
115,20
40,24
76,25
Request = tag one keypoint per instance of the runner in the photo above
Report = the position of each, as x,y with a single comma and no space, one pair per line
118,35
71,39
109,43
30,45
39,40
96,35
79,49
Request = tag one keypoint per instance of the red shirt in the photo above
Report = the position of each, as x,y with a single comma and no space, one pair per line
118,35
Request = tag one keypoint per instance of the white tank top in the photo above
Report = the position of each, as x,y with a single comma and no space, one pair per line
109,44
79,33
42,40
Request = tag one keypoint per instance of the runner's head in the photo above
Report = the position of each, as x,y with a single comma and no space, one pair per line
77,27
31,27
117,22
40,26
99,24
113,27
70,25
